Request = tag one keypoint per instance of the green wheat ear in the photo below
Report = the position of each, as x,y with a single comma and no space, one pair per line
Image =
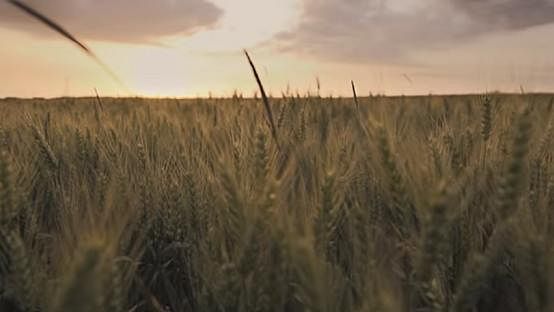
323,226
8,209
402,215
475,281
486,118
115,297
14,259
433,246
261,159
81,291
21,270
44,147
511,183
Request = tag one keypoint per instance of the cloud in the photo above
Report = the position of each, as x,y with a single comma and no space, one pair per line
354,30
508,14
117,20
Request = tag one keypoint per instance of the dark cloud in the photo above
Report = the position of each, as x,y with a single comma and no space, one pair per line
356,30
117,20
508,14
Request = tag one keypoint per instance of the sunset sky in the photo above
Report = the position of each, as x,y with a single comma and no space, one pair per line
193,47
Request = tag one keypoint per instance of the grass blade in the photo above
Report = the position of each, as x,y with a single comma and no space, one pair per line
355,96
51,24
66,34
360,121
265,99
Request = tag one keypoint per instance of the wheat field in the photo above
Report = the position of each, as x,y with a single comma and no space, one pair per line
375,204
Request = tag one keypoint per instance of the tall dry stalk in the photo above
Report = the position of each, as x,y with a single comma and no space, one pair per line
265,100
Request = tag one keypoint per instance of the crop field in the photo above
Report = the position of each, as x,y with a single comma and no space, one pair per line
372,204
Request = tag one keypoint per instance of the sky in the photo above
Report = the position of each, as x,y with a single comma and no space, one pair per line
190,48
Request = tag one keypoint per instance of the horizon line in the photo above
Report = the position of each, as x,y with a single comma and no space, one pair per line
544,93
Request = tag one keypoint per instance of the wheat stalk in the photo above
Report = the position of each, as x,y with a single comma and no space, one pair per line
264,99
